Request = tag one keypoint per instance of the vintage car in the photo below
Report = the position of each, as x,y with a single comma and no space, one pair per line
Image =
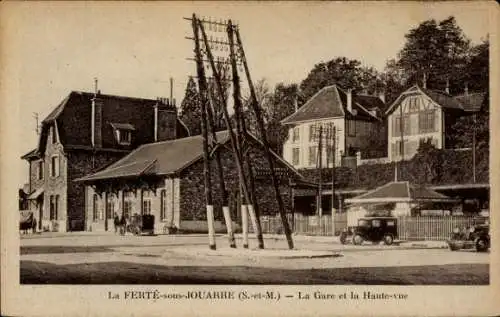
374,229
476,236
141,224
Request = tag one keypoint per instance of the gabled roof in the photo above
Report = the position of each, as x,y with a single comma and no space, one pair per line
331,102
72,118
469,102
163,158
400,192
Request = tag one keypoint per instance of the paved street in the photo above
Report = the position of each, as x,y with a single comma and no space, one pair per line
184,259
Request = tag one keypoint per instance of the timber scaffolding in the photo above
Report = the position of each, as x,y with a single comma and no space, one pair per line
203,49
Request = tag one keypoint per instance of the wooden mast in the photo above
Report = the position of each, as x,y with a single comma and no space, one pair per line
203,100
267,147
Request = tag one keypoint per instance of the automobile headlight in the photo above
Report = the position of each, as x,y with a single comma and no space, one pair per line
456,230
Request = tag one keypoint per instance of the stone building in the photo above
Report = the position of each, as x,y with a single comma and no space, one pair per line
166,179
83,134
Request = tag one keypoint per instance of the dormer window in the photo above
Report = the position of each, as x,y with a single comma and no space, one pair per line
123,133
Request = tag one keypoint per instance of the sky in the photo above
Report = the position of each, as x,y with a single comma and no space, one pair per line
133,48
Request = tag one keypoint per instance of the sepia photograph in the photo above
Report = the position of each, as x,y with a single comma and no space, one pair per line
272,147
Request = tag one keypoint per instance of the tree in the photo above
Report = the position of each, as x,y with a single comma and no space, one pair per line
341,71
478,67
190,112
276,105
438,51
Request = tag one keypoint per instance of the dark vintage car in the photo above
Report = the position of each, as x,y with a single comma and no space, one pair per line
476,236
374,229
141,224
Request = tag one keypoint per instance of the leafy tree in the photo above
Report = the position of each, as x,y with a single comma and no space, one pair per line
439,51
190,112
344,72
477,70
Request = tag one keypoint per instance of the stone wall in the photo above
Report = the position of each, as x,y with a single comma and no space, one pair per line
81,163
192,188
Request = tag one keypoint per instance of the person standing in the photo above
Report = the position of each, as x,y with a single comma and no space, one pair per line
116,222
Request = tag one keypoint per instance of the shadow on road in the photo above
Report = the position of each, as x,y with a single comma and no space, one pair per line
34,272
49,249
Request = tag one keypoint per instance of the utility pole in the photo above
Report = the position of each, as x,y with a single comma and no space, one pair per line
253,207
334,144
319,207
474,148
267,150
202,86
220,173
401,146
233,137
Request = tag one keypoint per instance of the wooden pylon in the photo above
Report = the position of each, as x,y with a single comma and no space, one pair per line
267,150
234,141
203,100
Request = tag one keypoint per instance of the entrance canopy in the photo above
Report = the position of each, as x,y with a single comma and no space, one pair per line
395,192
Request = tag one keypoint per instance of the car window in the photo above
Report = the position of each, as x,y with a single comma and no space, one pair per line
390,223
363,223
376,223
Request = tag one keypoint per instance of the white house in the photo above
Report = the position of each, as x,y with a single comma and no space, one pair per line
427,114
356,118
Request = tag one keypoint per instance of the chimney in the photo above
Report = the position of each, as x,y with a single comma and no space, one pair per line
466,89
96,118
447,89
349,100
424,81
165,120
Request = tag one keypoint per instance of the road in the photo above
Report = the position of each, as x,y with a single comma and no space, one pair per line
186,259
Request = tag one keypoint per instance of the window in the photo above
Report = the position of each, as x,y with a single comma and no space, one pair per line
313,155
376,223
146,207
312,132
54,206
397,125
330,155
127,204
163,208
295,156
54,166
110,206
351,127
40,170
54,134
426,121
295,134
95,208
124,136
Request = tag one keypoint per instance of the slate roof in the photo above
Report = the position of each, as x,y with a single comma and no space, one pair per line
72,118
473,101
161,158
400,192
331,102
468,103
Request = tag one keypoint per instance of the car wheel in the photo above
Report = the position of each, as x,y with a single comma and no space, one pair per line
481,245
357,239
343,238
453,247
388,239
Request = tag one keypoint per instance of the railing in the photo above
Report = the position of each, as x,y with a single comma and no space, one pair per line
409,228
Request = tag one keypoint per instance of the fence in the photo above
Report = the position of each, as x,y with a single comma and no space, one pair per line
308,225
409,228
433,228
